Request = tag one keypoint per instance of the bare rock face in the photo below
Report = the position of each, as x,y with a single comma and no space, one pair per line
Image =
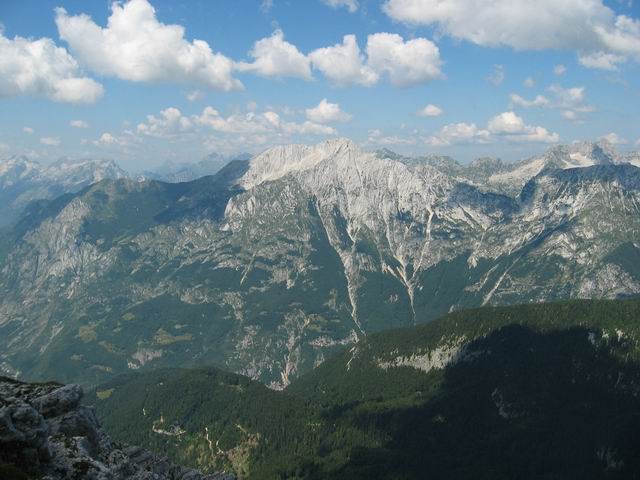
46,431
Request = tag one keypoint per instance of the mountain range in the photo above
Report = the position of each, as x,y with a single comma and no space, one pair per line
275,263
23,181
187,171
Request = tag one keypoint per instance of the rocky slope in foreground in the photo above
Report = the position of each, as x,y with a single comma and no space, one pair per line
46,433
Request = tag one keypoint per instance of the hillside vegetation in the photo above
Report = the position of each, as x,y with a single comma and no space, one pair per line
537,391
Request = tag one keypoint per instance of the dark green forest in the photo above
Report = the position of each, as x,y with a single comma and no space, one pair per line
546,391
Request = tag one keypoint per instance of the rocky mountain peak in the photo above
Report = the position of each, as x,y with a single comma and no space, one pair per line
279,161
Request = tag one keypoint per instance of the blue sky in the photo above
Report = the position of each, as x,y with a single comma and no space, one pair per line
127,81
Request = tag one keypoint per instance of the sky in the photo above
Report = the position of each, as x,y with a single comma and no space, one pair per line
144,82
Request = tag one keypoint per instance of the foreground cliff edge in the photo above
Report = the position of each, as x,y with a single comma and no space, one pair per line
46,433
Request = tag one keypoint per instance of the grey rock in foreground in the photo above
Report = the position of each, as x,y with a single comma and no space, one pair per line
45,431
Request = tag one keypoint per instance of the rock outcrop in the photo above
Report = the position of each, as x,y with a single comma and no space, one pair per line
45,432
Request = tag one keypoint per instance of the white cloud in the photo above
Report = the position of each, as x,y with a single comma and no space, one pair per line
377,137
507,122
614,139
456,133
586,26
343,64
169,123
497,76
571,98
570,101
559,70
538,101
529,82
50,141
28,130
40,68
78,124
126,139
106,139
351,5
601,61
638,142
135,46
195,95
406,63
326,112
430,111
252,123
505,126
266,6
275,57
513,127
239,129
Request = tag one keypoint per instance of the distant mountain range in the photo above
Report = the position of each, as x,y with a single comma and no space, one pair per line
275,263
23,181
189,171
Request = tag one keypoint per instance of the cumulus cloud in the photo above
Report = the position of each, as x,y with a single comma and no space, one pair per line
326,112
169,123
529,82
351,5
457,133
106,139
430,111
78,124
377,137
406,63
275,57
28,130
570,101
614,139
538,101
573,98
343,64
135,46
50,141
601,60
505,126
40,68
253,123
585,26
513,127
251,127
